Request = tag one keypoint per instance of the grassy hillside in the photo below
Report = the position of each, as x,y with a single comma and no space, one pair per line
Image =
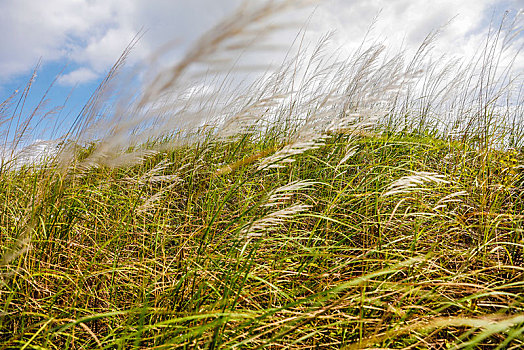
379,240
338,202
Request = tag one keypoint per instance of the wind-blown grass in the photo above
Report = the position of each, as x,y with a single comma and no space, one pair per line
316,212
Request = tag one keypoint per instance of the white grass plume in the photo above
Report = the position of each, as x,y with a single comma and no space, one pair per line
271,221
414,182
278,197
286,154
156,175
455,197
152,201
284,193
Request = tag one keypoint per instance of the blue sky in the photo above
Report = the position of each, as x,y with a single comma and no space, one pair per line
83,38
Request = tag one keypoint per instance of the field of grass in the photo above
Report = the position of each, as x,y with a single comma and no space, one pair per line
286,233
324,251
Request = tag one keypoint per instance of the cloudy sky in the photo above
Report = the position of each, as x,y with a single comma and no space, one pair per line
85,37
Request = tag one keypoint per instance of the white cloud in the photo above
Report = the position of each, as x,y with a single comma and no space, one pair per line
464,25
45,29
78,76
405,21
93,33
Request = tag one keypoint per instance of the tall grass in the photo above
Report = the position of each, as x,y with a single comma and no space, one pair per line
328,204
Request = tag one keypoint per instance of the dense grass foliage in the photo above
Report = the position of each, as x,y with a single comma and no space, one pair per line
368,201
387,240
